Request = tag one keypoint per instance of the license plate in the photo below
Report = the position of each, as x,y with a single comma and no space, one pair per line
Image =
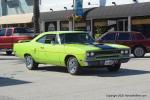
109,62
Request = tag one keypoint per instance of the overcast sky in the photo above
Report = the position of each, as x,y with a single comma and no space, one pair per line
60,4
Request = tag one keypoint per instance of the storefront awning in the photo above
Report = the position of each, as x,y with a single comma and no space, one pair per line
58,15
16,19
120,11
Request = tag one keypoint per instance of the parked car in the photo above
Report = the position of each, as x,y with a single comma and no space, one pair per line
9,36
73,49
135,40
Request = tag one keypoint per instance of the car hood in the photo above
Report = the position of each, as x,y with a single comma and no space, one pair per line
93,47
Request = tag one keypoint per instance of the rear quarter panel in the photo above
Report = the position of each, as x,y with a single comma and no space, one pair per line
18,38
20,49
145,43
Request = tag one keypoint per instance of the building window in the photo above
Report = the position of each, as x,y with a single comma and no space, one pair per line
80,26
64,26
100,27
141,25
50,26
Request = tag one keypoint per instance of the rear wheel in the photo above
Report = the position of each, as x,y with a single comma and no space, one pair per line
139,51
73,66
30,63
8,52
114,68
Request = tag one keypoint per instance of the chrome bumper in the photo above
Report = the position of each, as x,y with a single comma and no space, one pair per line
102,62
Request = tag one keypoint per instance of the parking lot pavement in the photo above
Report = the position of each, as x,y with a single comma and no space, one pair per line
54,83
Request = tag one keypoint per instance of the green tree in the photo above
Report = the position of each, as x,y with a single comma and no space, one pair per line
36,14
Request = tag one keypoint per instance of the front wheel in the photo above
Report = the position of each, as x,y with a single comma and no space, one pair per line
139,51
73,66
114,68
30,63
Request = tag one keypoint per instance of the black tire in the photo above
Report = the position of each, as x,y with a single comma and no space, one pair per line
30,63
8,52
73,66
114,68
139,51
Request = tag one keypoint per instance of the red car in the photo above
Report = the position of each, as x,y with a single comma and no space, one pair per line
9,36
135,40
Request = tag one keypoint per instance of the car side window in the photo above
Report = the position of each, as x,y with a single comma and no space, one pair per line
124,36
42,39
9,32
48,39
139,36
109,37
2,32
62,38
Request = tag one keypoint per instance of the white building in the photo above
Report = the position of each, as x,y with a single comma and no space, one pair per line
101,15
59,5
117,16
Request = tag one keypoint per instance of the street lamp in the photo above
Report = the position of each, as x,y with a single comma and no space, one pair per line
135,1
65,8
114,3
51,9
89,3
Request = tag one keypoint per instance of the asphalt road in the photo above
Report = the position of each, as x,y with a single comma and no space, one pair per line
54,83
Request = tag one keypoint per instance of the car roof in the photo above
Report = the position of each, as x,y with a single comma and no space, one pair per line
57,32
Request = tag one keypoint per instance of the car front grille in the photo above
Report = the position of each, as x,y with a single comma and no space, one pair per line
107,54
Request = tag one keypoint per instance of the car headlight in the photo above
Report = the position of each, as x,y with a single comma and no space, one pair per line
87,54
90,54
126,52
122,51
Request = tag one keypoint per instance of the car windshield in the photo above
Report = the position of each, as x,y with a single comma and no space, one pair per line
76,38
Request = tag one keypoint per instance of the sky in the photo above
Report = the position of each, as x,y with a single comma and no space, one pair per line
60,4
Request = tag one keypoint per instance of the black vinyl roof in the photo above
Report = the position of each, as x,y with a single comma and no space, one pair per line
119,11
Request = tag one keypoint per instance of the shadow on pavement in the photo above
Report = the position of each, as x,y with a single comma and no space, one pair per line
53,69
101,72
105,73
9,82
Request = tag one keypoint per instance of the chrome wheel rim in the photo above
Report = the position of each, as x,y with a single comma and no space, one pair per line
29,62
139,52
72,65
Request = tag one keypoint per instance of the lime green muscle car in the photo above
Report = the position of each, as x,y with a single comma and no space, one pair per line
73,49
